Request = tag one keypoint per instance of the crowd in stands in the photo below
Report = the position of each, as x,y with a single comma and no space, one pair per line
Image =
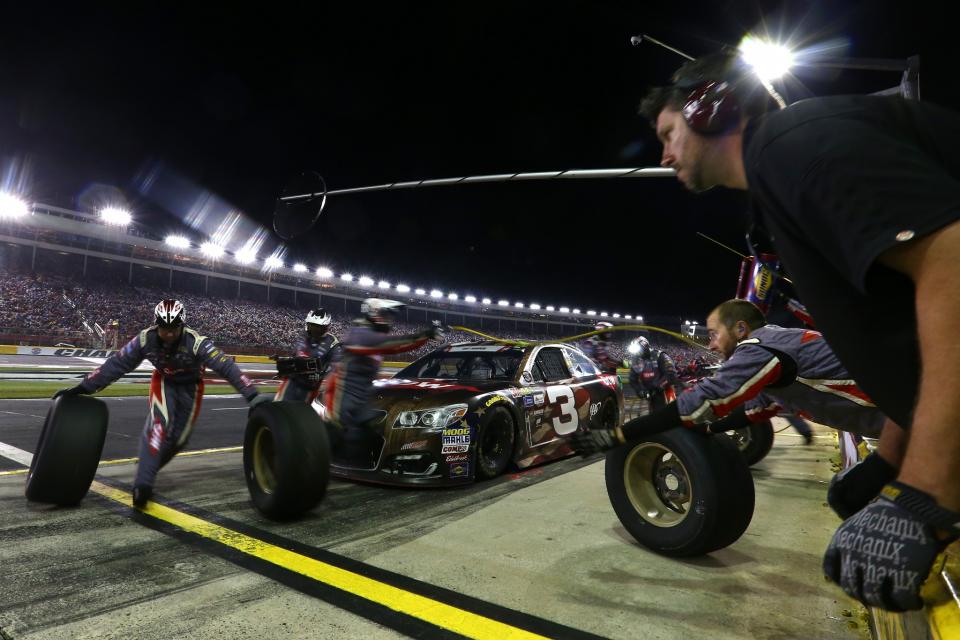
36,304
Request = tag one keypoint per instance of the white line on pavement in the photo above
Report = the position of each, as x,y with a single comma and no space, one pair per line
17,455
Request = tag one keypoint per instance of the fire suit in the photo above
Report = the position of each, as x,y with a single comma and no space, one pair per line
306,388
650,377
777,369
599,351
347,390
176,390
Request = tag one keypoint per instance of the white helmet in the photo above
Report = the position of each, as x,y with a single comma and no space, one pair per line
317,317
378,311
170,313
603,326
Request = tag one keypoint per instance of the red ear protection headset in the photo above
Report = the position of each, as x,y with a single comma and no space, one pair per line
711,107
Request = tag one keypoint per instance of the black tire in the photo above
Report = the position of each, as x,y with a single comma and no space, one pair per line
680,493
496,441
68,451
609,417
286,459
754,441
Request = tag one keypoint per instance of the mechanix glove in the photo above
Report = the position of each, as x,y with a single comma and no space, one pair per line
883,554
596,440
851,489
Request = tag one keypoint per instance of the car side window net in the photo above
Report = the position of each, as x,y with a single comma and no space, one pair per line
552,365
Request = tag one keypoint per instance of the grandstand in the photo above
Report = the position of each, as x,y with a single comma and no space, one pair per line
66,275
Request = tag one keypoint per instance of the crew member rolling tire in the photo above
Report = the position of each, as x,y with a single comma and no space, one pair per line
68,451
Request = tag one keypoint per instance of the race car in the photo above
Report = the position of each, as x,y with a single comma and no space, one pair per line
468,411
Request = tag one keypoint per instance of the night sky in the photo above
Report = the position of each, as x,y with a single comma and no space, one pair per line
236,100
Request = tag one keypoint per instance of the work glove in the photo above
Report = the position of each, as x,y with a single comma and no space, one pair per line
596,440
883,554
851,489
72,391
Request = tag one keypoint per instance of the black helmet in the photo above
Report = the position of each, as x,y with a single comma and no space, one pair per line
170,313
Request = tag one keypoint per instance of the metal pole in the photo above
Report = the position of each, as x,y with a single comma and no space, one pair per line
631,172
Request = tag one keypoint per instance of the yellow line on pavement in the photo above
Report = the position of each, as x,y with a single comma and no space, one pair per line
437,613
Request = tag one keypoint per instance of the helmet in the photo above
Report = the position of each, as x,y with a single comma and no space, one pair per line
379,312
643,347
603,326
318,318
170,313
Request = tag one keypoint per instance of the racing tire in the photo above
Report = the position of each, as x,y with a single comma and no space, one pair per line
609,415
286,459
68,451
496,439
680,493
754,441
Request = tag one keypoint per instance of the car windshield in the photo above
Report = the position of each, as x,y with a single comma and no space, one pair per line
491,364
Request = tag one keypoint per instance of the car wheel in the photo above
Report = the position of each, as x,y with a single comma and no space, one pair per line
68,451
286,459
754,441
609,415
680,493
496,438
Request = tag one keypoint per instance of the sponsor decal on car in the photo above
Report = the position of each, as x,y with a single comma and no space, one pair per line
427,385
594,409
460,470
456,440
458,457
458,431
419,444
538,398
494,400
610,380
527,401
454,448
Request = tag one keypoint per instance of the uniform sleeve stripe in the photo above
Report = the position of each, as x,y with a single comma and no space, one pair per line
759,414
718,407
847,389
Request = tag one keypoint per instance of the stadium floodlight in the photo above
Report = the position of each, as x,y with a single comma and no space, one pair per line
576,311
564,309
177,242
365,281
633,348
115,216
639,318
12,207
273,262
452,296
421,292
518,305
470,299
383,284
211,249
604,314
503,303
300,267
628,317
616,315
436,293
591,313
346,277
549,307
402,288
324,272
534,306
487,301
769,60
246,255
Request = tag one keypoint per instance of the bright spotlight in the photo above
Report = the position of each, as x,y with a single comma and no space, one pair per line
346,277
211,249
487,301
402,288
768,59
534,306
421,292
12,207
470,299
504,303
300,267
324,272
639,318
116,216
564,309
246,255
633,348
177,242
576,311
518,305
365,281
603,314
616,315
549,308
383,284
273,262
452,296
628,317
591,313
436,293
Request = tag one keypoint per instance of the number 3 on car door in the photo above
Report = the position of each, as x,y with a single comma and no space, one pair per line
568,420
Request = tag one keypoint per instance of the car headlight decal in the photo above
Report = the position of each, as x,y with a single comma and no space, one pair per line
432,419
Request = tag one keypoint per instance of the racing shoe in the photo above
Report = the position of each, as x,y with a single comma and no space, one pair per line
141,494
